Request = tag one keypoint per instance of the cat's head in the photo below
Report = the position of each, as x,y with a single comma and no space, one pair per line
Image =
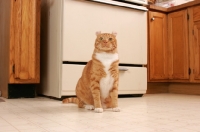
106,41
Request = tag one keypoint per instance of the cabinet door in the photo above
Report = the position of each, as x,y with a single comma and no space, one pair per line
24,43
158,68
196,39
178,45
196,42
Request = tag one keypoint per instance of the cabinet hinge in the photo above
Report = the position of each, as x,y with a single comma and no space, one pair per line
13,69
188,16
189,71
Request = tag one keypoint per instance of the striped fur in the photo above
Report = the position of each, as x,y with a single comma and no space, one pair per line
98,86
73,100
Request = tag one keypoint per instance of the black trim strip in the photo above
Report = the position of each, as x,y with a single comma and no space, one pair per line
121,3
84,63
131,65
72,62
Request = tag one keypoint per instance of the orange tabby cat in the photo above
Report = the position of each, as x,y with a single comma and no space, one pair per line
98,86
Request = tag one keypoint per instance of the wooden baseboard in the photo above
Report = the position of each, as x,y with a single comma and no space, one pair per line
153,88
180,88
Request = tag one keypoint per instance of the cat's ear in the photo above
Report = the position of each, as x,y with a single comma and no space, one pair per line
98,32
114,33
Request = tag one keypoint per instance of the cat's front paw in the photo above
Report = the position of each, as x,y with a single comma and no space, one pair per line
89,107
98,110
116,109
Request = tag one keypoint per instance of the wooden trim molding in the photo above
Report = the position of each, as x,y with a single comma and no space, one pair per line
4,45
153,88
177,88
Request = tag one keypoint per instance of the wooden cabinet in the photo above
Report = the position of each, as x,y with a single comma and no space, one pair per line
158,54
20,41
178,57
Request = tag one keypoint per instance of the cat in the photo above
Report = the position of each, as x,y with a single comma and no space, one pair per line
97,89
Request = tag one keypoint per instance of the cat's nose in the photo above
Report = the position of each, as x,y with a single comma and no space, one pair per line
105,44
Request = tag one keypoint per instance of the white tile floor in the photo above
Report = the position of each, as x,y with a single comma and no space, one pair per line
150,113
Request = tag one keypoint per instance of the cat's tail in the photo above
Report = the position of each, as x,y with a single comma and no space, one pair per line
71,100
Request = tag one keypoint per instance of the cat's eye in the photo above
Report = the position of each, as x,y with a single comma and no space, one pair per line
110,39
101,38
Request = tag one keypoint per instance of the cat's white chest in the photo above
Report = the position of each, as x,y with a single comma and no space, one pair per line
106,83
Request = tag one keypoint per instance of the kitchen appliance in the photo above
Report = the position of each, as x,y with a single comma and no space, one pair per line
68,36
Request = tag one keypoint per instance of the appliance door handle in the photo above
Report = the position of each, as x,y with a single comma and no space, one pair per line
123,69
116,3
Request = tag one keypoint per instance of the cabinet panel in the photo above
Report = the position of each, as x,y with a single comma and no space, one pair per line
158,68
196,13
27,50
195,26
178,45
196,42
24,43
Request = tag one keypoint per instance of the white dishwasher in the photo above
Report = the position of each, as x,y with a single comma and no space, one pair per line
68,36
